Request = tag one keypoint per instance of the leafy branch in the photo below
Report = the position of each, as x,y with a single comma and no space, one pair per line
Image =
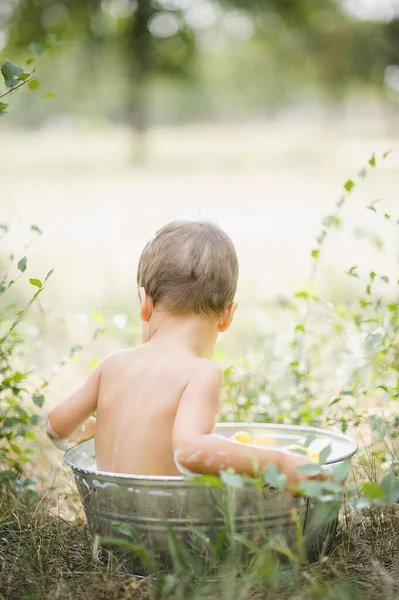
20,314
14,78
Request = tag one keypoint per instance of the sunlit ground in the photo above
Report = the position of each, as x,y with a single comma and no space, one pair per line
268,183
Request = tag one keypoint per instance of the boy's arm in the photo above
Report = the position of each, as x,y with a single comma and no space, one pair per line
199,450
75,412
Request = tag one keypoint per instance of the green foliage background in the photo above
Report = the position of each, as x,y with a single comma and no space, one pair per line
140,63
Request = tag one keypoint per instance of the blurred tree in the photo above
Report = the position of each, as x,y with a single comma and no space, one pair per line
320,40
288,43
151,37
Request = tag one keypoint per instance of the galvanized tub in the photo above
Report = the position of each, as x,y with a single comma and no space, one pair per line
152,509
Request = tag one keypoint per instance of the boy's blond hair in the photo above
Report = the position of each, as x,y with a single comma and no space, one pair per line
190,267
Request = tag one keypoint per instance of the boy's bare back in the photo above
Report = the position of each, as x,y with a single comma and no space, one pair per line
138,399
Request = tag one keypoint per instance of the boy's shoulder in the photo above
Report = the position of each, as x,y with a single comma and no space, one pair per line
118,356
208,368
197,368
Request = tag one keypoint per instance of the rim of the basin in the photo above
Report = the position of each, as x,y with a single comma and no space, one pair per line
235,425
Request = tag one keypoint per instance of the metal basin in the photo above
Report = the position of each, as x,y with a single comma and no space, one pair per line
152,509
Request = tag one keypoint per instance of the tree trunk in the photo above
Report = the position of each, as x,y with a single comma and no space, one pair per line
140,66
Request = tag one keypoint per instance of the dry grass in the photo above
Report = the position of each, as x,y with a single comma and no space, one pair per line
43,555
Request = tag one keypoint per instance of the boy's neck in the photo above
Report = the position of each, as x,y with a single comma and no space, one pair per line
194,334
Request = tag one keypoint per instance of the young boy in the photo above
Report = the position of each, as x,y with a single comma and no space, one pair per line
156,405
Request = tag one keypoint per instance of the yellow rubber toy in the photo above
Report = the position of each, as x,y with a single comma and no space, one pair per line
242,436
302,450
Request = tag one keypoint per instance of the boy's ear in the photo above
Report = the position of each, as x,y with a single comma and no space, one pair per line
227,317
146,305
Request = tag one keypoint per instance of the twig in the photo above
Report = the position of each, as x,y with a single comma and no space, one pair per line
34,76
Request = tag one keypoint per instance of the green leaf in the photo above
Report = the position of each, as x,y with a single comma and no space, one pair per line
52,40
301,451
372,275
385,278
232,479
247,543
38,400
349,185
300,328
325,513
49,274
375,341
207,480
372,490
285,551
273,477
74,350
24,76
309,439
332,486
387,153
3,105
315,253
20,313
372,161
33,84
341,472
22,264
311,488
335,400
36,229
30,481
49,95
390,488
36,48
178,551
11,73
310,469
36,282
331,221
324,454
302,294
30,61
352,271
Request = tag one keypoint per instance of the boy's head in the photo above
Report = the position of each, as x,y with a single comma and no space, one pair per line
190,268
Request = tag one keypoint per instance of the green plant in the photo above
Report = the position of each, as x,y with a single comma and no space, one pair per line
299,377
14,78
20,390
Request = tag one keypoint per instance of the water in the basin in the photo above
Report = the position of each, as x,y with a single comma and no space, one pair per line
341,447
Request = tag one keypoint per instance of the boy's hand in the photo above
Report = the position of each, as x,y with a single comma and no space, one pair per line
84,432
